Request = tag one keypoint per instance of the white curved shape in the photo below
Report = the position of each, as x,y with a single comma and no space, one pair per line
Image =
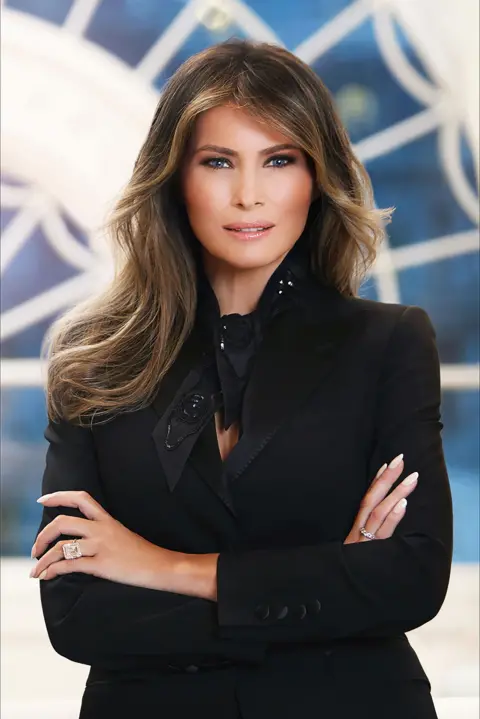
250,22
17,232
48,303
83,148
80,15
450,157
334,30
13,196
445,34
422,253
399,134
398,64
188,19
168,43
71,251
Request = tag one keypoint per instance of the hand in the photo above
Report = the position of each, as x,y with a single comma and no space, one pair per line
380,512
109,549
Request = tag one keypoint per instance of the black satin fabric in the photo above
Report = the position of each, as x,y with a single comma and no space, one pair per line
235,338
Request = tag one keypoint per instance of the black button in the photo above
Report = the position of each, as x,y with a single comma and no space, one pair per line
237,330
315,606
262,611
282,613
191,669
301,611
193,406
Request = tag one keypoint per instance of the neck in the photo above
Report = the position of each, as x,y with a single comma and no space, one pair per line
237,290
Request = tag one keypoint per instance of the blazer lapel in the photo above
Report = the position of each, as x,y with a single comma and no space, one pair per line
295,358
200,449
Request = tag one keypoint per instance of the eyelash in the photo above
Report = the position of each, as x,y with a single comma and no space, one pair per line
291,161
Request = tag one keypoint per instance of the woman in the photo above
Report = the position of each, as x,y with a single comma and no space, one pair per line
234,433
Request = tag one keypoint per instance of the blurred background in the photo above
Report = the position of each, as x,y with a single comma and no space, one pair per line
80,82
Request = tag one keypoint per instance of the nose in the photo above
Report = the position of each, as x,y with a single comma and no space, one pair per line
246,191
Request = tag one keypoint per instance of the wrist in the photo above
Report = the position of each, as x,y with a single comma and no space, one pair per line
196,575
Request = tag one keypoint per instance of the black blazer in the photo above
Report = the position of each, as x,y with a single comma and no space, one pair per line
310,625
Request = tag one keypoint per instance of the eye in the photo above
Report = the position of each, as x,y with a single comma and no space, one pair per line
279,160
209,160
286,159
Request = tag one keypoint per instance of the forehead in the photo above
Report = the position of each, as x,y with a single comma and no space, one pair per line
226,123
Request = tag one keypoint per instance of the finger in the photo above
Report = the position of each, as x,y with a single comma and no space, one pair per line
55,554
83,565
78,499
392,520
62,524
382,510
379,489
393,465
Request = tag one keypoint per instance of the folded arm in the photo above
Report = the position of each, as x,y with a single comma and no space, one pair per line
375,588
96,621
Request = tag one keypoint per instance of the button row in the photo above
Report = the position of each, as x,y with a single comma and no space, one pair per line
263,611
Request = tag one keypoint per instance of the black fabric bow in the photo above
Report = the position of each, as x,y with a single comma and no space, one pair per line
236,338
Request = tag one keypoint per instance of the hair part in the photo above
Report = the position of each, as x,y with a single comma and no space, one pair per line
109,353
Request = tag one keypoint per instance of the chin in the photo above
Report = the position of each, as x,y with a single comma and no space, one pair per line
251,257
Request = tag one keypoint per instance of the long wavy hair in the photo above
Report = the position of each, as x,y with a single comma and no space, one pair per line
108,354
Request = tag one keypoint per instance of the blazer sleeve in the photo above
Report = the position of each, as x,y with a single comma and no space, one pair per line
375,588
96,621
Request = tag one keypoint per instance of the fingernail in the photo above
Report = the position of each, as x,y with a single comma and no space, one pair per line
400,506
43,574
381,470
33,552
395,462
44,496
411,479
32,573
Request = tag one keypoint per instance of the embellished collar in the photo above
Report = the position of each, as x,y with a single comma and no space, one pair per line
234,339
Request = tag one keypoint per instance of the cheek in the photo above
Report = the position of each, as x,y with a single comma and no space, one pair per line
293,192
204,198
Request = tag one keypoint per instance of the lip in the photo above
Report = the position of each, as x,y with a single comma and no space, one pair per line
242,225
252,235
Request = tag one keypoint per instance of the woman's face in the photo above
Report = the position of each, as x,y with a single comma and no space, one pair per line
244,180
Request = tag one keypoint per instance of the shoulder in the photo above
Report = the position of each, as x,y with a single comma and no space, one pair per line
402,337
390,317
382,330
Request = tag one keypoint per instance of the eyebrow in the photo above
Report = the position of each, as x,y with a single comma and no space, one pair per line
233,153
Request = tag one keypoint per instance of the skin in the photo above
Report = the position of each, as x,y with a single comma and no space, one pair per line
247,186
219,189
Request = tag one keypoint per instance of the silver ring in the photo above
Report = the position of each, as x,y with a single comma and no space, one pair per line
366,534
72,550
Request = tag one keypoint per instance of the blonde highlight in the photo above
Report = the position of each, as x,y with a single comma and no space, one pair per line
110,353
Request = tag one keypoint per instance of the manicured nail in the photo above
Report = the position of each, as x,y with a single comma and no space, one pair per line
411,479
33,552
395,462
381,470
44,496
400,506
43,574
32,573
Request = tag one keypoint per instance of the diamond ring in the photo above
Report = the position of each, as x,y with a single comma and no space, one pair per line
71,550
366,534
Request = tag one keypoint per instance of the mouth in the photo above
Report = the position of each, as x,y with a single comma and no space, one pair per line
249,233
